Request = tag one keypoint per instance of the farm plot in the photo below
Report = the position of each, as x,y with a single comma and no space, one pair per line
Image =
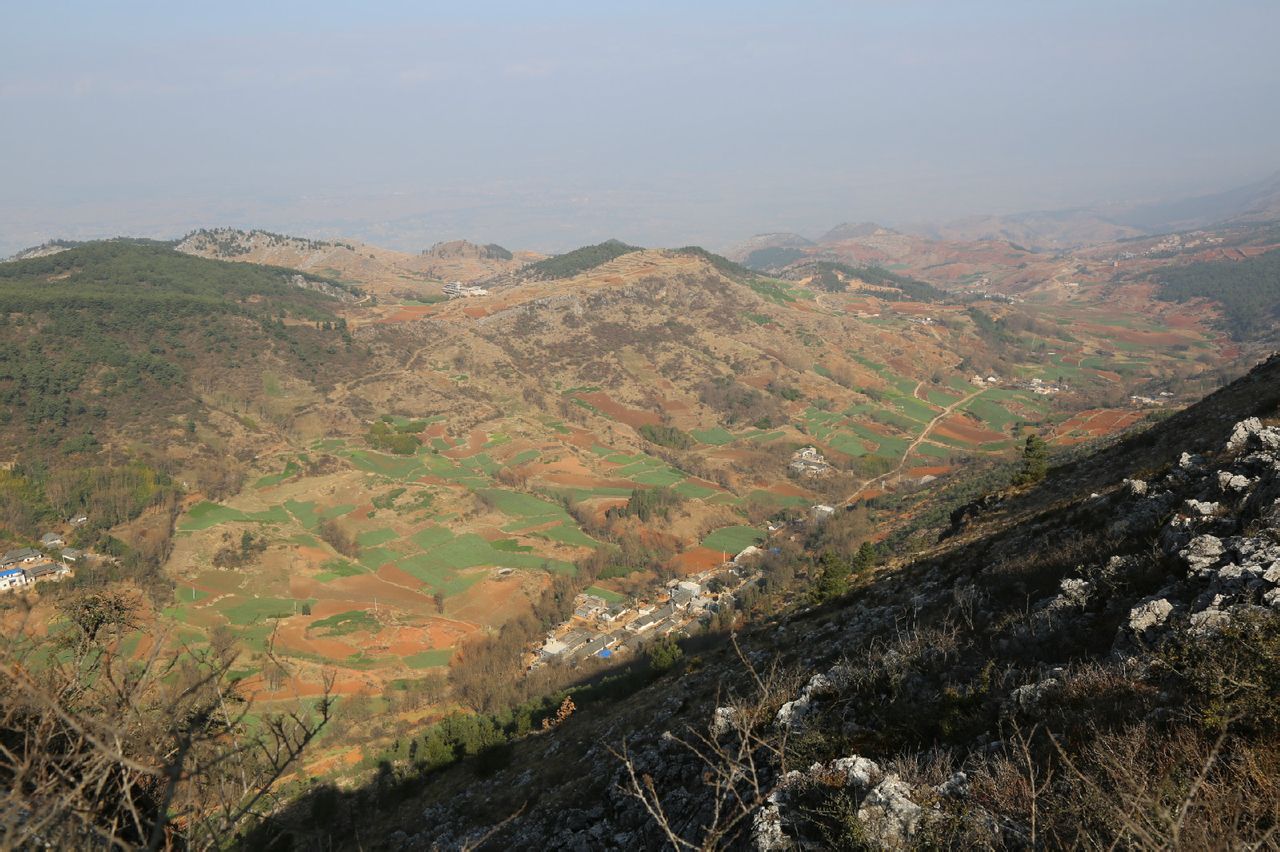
733,539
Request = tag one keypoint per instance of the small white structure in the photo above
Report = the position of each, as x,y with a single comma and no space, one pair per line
748,552
807,461
822,511
12,579
458,290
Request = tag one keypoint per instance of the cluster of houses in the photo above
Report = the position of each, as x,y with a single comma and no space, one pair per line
1041,387
601,629
807,461
25,566
1138,399
458,290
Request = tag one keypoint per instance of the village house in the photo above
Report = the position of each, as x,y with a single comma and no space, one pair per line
72,554
79,520
612,614
595,646
822,511
589,606
684,593
12,579
20,555
48,570
652,620
52,539
573,640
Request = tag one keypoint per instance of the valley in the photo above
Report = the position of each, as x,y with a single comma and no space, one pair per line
443,472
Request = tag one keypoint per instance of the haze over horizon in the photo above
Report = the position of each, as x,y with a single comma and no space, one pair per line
564,123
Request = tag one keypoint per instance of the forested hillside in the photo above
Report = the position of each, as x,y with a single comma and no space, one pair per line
579,260
1248,291
104,333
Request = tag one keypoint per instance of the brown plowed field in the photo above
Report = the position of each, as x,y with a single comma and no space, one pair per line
633,417
959,427
698,559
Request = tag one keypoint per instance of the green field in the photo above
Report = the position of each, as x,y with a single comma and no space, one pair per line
732,540
345,623
433,658
250,611
716,437
204,515
607,595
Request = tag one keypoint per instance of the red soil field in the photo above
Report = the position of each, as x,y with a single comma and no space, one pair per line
581,438
698,559
585,480
489,602
960,427
475,443
408,313
633,417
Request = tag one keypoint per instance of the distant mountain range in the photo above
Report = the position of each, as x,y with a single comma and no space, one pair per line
1046,230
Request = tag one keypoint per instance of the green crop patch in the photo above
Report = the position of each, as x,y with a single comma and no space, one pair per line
894,419
715,436
520,505
606,595
394,467
335,568
733,540
441,572
885,444
941,398
345,623
204,515
694,490
661,477
430,537
255,611
188,594
374,558
919,411
291,468
569,534
434,658
992,413
511,545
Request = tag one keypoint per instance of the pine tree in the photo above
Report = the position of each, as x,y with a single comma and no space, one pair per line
1035,461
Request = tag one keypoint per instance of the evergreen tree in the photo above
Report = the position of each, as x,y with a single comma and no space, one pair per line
1035,461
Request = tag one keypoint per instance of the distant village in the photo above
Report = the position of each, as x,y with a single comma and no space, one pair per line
809,462
458,290
23,567
600,629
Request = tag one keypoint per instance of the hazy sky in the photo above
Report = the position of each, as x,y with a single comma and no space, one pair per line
542,124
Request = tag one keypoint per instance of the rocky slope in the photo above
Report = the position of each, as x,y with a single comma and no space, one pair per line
381,271
1092,659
